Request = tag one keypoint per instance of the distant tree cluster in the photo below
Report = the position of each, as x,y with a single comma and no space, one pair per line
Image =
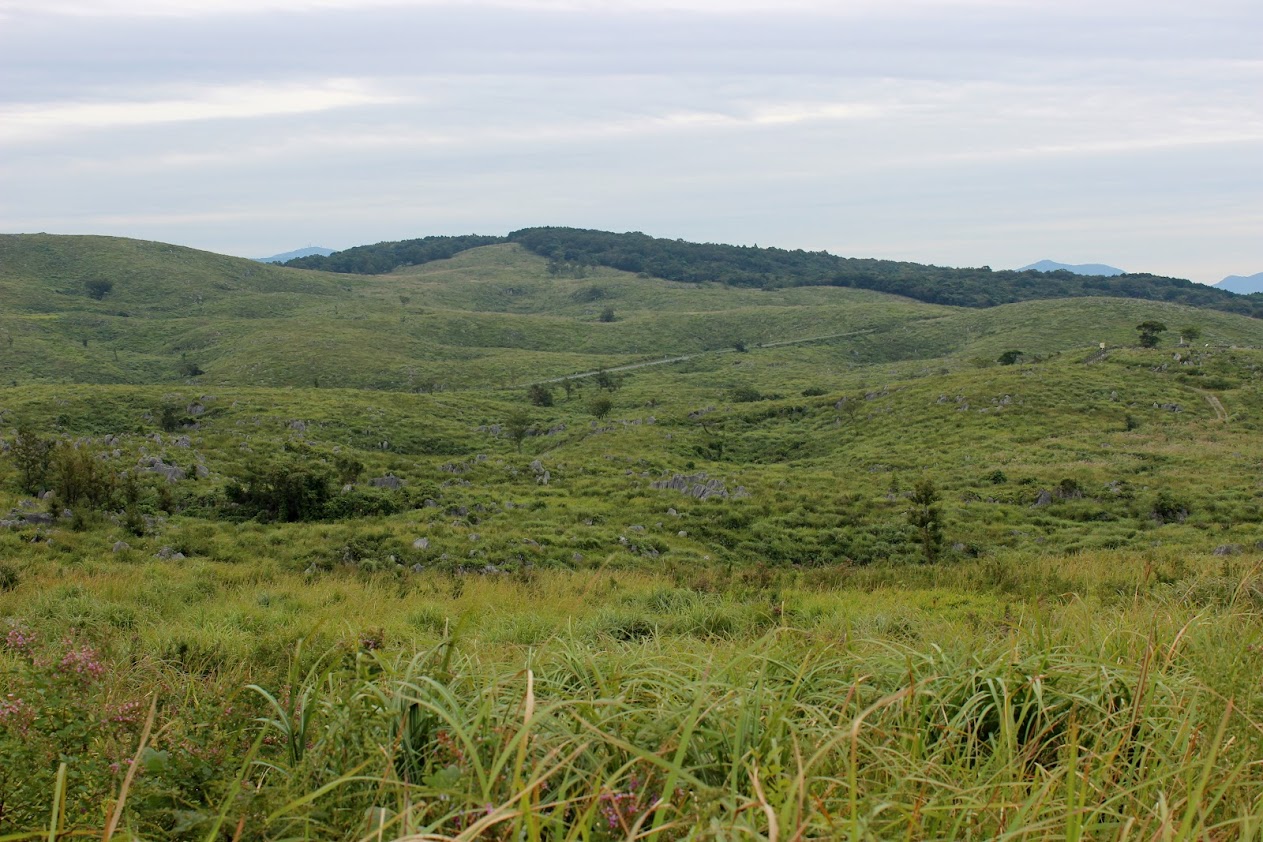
386,257
751,266
572,251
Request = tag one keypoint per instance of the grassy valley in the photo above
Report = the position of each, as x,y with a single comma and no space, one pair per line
290,554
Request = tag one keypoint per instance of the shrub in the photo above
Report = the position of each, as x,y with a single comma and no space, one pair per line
285,491
9,578
540,395
600,406
607,315
1168,508
98,289
33,456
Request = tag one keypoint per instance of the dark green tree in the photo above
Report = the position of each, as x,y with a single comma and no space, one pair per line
927,518
517,426
289,491
540,394
98,289
33,456
1010,357
600,406
607,315
1149,331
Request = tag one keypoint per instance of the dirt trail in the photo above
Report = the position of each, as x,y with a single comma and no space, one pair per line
1215,404
686,357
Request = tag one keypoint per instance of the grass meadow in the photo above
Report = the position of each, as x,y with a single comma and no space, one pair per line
355,581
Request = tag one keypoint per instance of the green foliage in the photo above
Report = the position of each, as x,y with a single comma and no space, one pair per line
98,288
80,478
1149,333
771,268
171,418
32,454
1010,357
286,491
386,257
600,406
540,394
517,426
607,315
927,518
9,576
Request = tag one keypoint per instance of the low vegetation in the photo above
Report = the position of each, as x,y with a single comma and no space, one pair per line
894,579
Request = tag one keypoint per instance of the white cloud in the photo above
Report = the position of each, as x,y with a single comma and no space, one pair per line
234,102
205,8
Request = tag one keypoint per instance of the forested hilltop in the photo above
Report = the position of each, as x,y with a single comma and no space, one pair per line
571,250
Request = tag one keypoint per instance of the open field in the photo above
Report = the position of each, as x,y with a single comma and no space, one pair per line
871,587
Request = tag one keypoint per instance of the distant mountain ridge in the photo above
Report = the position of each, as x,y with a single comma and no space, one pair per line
570,250
310,251
1242,284
1098,269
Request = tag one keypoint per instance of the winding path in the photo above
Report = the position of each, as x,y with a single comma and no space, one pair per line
685,357
1215,404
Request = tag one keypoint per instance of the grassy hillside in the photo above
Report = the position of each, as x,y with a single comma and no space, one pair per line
831,571
490,316
577,251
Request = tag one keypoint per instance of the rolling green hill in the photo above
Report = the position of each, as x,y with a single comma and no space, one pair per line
573,251
804,561
489,317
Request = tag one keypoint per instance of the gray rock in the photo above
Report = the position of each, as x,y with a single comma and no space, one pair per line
120,547
1228,549
168,554
1043,498
418,568
421,544
195,408
298,426
390,481
183,441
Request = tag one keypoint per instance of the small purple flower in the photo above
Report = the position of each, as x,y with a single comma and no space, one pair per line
19,640
83,663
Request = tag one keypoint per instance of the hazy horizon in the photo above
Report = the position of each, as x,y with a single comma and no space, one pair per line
951,132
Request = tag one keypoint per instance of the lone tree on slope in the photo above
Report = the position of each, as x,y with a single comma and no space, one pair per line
1149,333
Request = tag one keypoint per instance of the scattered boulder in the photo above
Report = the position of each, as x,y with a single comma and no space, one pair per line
1043,498
697,485
168,554
154,464
390,482
421,544
120,547
1228,549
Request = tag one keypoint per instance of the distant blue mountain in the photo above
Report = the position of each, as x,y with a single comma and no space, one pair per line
1078,269
290,255
1242,284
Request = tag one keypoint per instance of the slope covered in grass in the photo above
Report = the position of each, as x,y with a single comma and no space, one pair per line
868,584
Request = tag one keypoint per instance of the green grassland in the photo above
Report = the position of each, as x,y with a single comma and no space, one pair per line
703,611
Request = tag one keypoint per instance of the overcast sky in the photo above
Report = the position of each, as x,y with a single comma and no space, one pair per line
955,132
